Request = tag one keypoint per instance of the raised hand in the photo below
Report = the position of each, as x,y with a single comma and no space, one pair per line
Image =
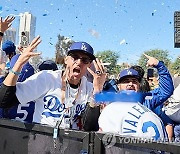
12,77
99,76
28,52
65,78
151,61
6,23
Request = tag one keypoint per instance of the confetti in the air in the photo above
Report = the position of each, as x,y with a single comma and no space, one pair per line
122,41
1,9
46,13
116,1
153,12
94,33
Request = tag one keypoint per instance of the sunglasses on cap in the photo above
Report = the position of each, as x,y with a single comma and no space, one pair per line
85,60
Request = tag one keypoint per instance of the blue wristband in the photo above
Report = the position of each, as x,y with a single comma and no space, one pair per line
16,73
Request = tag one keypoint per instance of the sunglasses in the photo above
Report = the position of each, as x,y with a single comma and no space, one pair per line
126,81
85,60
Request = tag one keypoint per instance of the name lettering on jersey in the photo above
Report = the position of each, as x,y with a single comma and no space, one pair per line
130,124
53,106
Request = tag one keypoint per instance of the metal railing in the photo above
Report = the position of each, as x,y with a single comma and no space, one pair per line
18,137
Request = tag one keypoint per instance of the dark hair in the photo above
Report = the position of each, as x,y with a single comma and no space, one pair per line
139,69
110,85
144,85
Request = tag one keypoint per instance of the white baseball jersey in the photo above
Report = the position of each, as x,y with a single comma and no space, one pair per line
173,108
44,88
131,119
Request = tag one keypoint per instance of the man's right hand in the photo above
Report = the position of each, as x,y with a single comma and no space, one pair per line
12,77
28,52
151,61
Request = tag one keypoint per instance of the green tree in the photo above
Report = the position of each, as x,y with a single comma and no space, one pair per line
176,66
62,46
110,57
158,54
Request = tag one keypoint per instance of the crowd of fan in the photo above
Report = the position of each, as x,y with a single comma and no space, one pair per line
165,100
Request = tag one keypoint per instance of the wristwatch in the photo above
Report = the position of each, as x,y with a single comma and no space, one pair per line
1,34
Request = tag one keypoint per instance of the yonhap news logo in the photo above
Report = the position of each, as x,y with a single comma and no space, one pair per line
109,140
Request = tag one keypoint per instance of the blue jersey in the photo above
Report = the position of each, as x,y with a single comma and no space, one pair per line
21,112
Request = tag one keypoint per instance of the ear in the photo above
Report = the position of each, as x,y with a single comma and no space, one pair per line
66,60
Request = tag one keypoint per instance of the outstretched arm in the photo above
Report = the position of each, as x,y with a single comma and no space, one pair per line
8,88
12,77
165,89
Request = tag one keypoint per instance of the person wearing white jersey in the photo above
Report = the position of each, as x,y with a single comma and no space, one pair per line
58,95
131,119
136,118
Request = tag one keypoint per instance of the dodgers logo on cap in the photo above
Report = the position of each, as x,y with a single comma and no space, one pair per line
129,72
83,47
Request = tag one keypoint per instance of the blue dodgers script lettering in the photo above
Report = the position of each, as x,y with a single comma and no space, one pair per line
79,108
137,112
53,104
148,124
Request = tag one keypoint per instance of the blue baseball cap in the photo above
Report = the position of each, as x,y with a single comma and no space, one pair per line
8,47
48,65
129,73
83,47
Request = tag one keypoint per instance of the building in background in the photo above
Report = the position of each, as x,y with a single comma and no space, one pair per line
27,27
10,35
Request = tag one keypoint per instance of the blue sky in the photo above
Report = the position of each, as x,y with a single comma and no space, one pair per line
128,27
